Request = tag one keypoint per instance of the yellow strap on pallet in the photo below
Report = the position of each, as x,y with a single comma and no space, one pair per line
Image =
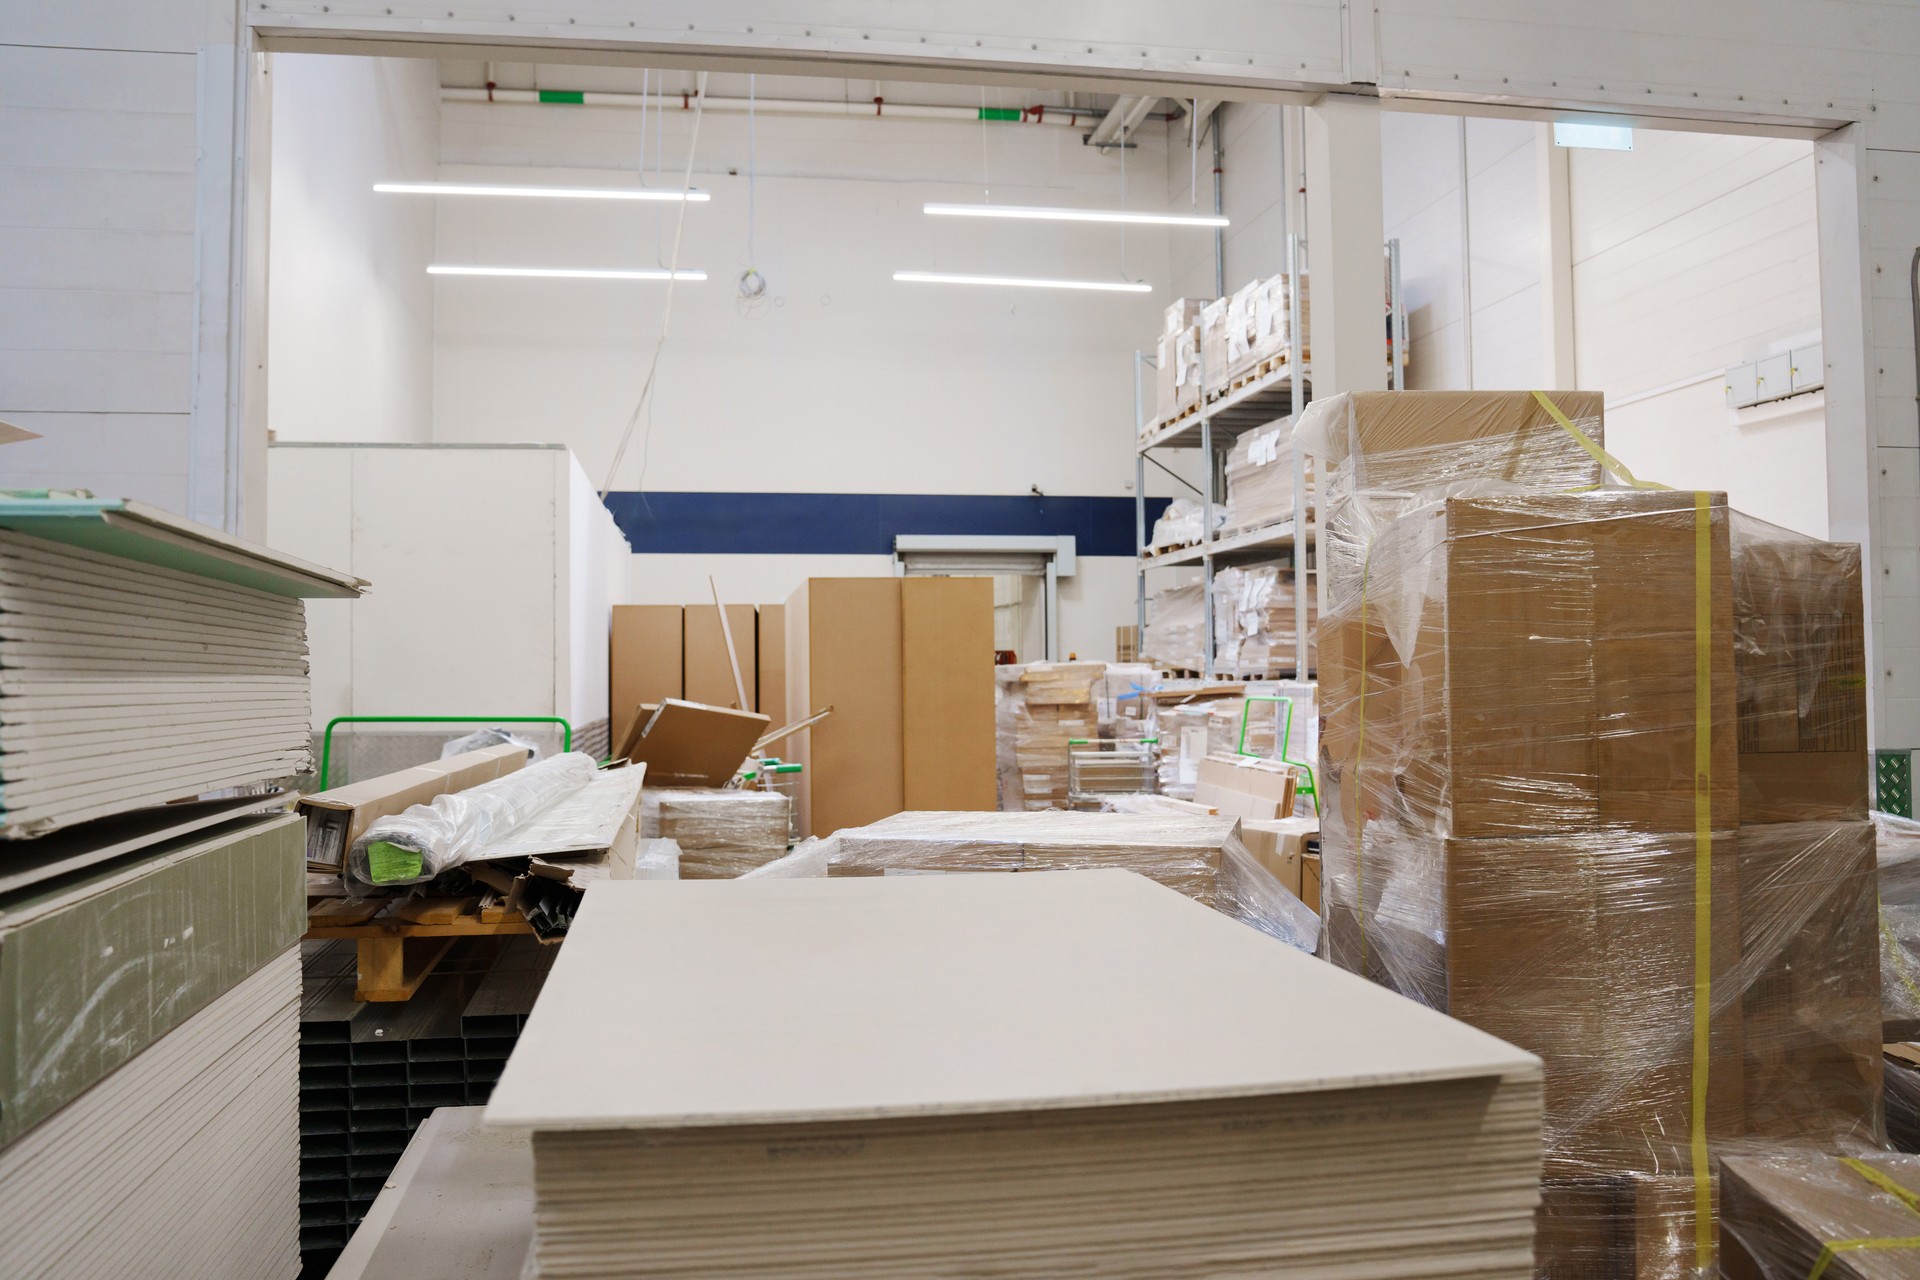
1834,1248
1702,868
1359,792
1610,464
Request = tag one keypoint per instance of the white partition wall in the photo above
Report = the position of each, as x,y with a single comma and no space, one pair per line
496,571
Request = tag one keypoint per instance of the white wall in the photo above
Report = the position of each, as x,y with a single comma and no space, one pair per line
1691,253
1428,162
844,381
350,307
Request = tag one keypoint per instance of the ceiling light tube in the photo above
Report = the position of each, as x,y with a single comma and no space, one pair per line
564,273
548,193
1022,282
1039,214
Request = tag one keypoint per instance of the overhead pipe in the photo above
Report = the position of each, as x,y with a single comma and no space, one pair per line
880,108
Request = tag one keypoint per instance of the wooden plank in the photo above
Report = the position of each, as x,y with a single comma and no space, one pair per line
946,694
435,910
391,971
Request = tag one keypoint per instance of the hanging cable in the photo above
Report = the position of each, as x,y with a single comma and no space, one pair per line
645,402
753,285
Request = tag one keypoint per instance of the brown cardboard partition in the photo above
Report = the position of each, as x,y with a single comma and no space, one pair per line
645,662
709,678
946,693
770,648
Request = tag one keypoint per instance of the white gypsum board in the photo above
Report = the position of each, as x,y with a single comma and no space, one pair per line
37,691
64,561
102,756
50,810
182,621
29,862
26,591
54,742
888,995
84,719
62,660
82,1170
588,819
458,1206
19,628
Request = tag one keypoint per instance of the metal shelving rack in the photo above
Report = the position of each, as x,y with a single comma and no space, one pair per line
1254,405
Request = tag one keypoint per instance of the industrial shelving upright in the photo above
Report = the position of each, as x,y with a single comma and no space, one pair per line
1230,413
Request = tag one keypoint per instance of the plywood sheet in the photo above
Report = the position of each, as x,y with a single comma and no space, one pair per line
932,995
946,693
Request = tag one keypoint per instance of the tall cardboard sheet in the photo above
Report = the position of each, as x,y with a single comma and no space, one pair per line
645,661
709,676
946,693
844,651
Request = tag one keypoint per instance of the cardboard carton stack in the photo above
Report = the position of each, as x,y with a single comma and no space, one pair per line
1042,707
1021,1075
1254,622
1260,479
1844,1218
1176,617
1258,326
1536,705
721,833
1177,360
1202,857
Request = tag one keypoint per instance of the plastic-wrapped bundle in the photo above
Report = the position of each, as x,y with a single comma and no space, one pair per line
1044,706
1260,479
1175,616
1790,1217
427,839
721,833
1180,524
1201,857
1902,1073
1125,707
1213,347
1254,622
1899,855
1259,324
1535,815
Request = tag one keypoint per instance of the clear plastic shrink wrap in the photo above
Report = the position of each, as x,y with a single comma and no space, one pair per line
1899,855
1180,524
1177,359
1042,707
1537,709
721,833
415,846
1174,636
1260,479
1201,857
1825,1217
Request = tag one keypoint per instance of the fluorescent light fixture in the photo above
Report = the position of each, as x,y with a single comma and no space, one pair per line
1038,214
546,193
563,273
1021,282
1594,137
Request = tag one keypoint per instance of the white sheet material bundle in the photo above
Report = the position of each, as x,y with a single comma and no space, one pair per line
184,1162
125,684
1062,1073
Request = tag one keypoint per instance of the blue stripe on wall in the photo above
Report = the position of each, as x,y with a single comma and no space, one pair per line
861,524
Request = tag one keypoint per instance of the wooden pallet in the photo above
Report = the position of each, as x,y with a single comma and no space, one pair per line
401,942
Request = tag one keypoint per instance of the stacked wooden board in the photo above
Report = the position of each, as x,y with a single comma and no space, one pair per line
1077,1073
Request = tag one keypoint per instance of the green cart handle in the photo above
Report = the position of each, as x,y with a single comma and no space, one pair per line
326,739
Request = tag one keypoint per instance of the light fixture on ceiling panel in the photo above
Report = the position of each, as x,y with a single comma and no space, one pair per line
1022,282
564,273
1038,214
546,193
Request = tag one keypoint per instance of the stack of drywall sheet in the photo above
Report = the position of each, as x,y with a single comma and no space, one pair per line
458,1206
184,1162
126,680
1077,1073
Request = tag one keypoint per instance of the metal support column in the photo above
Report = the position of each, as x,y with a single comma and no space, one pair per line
1296,261
1399,301
1139,504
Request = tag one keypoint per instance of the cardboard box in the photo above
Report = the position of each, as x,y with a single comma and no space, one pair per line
1246,787
1578,948
645,662
843,651
1800,654
1280,845
1781,1213
721,834
1312,887
95,968
946,692
709,676
1530,667
1810,939
339,816
1580,1231
688,744
1666,1225
770,646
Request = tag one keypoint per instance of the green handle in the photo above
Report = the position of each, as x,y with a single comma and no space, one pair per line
326,739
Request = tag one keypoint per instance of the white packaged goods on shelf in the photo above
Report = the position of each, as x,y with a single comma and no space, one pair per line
1213,346
1254,622
1177,355
1180,524
417,845
1175,619
721,833
1081,1073
1260,479
1259,324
